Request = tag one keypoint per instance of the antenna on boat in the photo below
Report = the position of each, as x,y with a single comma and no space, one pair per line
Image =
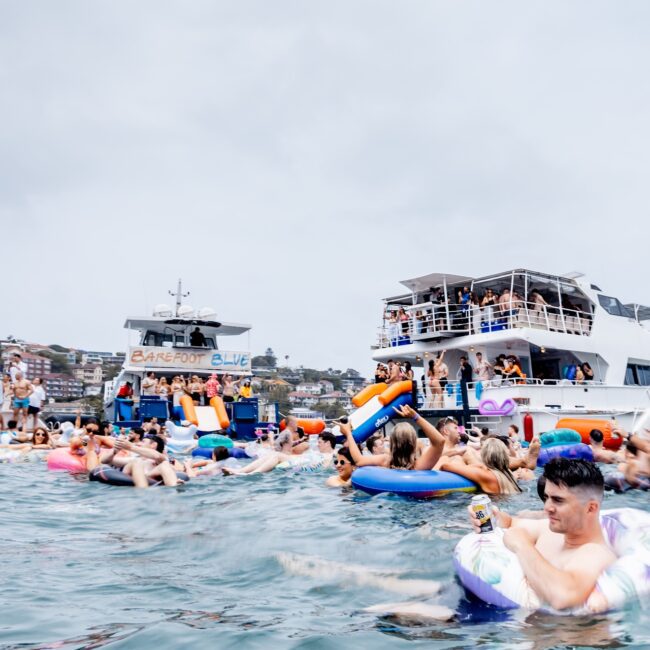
179,295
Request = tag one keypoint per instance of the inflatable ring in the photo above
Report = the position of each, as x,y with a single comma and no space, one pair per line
179,433
560,437
580,450
62,460
487,569
112,476
583,426
234,452
490,407
418,484
213,440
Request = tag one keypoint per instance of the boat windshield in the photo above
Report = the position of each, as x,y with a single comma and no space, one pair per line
172,340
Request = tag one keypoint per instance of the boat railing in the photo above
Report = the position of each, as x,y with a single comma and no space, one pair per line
429,320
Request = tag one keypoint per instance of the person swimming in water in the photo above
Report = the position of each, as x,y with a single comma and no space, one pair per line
493,475
563,555
403,444
345,466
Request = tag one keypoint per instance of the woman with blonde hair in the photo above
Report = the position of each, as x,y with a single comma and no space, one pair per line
162,389
403,445
493,476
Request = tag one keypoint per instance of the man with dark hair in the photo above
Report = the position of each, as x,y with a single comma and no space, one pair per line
465,371
142,461
326,444
136,434
563,555
601,455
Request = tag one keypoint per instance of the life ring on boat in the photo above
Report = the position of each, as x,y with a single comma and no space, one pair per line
62,459
584,425
418,484
487,569
490,407
212,440
112,476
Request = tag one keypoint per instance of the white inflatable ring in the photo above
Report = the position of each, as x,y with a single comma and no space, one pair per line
492,573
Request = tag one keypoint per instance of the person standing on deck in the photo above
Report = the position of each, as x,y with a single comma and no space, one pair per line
483,368
197,339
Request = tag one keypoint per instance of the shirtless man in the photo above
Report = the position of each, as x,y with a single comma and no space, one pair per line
601,455
142,461
22,390
448,427
394,374
504,301
562,556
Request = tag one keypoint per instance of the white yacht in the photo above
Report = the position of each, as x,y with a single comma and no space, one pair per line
178,341
550,324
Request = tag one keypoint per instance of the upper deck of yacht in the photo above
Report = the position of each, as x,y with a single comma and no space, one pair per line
176,331
441,306
185,341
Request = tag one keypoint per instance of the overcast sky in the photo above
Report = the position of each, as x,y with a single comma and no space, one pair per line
293,161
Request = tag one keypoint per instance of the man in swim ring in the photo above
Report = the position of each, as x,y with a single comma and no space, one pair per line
448,427
634,471
143,461
601,455
562,556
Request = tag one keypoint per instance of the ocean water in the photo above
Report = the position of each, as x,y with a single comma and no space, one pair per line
273,561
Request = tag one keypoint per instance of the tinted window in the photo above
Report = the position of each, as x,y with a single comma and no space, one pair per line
630,379
636,375
614,307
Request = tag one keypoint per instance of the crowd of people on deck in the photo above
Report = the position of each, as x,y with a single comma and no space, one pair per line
503,369
473,312
199,389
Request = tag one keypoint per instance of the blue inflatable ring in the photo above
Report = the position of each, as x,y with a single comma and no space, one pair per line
234,452
418,484
212,440
579,450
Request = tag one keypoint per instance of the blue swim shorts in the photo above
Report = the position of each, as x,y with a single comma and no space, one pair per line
21,403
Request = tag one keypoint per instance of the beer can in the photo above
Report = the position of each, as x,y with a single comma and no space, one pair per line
482,507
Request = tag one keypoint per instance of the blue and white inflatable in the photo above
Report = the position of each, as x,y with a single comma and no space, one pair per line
417,484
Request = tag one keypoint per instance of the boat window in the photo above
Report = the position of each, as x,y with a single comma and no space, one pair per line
614,307
637,375
163,340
